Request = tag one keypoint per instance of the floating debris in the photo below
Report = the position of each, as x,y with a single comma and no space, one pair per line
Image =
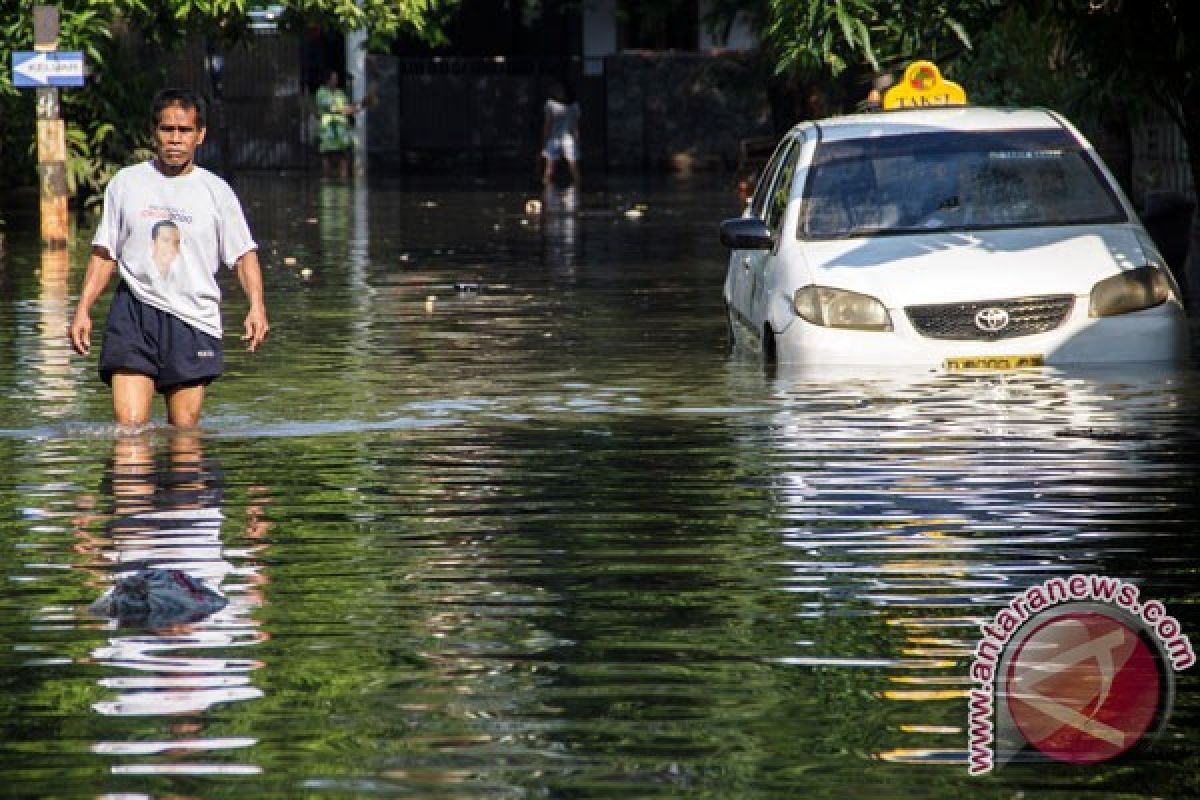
1108,434
158,597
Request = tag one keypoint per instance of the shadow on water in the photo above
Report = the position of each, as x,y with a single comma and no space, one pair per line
497,515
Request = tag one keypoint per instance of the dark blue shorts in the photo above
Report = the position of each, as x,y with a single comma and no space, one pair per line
143,339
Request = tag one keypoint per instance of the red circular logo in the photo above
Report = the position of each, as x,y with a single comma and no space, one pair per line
1083,687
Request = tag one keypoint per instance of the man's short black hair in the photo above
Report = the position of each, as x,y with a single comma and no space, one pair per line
185,99
162,223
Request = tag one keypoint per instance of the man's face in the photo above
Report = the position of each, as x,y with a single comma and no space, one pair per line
166,245
177,138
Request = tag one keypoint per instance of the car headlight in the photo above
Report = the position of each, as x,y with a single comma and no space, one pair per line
1144,287
837,308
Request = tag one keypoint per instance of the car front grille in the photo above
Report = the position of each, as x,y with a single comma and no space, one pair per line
969,321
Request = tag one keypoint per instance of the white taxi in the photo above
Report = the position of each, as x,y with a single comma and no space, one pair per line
948,236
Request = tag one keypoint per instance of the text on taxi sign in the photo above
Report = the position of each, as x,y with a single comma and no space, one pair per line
923,86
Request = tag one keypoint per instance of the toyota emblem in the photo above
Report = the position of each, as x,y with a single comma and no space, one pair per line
991,320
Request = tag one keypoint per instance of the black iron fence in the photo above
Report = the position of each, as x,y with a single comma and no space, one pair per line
262,116
485,109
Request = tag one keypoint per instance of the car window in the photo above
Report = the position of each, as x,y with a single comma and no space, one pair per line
972,180
763,191
781,190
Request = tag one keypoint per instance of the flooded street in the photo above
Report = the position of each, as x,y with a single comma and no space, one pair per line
498,514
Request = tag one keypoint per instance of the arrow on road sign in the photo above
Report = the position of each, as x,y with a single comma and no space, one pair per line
57,68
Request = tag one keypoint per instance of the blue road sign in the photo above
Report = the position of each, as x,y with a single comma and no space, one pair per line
33,69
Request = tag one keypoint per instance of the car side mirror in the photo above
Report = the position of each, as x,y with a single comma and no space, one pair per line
746,233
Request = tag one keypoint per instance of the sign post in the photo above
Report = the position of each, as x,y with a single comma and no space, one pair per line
51,133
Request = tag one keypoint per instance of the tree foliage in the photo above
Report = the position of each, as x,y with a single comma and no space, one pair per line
1100,60
830,36
1130,52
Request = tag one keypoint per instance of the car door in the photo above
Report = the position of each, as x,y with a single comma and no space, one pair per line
742,263
763,266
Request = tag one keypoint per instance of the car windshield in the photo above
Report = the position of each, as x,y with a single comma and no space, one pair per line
922,182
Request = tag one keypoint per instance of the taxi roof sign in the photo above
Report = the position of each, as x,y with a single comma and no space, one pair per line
923,86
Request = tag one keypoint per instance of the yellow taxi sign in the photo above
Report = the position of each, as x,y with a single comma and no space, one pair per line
922,86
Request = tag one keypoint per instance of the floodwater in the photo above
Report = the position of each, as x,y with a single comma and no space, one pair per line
498,515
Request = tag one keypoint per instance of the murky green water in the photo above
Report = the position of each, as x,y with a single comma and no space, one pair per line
498,515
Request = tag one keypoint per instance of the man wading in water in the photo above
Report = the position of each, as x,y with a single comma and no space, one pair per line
163,332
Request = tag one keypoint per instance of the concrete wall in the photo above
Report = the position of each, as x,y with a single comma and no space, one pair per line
681,110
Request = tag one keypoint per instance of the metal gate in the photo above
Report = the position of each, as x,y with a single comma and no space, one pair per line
264,117
485,109
261,113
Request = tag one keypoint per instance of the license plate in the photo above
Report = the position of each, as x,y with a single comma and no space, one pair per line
993,362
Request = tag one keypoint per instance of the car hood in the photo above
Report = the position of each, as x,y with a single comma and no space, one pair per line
948,267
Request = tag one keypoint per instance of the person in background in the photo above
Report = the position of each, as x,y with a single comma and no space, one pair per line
560,133
336,113
165,336
881,83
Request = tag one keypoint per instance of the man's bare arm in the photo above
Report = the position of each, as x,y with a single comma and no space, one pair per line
100,268
250,276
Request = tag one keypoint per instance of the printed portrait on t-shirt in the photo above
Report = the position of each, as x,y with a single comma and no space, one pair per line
164,245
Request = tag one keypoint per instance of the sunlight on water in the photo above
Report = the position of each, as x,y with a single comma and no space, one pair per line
542,534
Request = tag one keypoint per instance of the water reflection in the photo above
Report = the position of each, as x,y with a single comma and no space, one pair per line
911,500
167,513
55,388
547,539
560,228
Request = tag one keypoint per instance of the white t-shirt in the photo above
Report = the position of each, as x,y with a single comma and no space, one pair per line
169,237
563,118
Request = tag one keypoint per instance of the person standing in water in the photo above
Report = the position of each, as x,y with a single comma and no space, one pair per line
336,113
164,335
560,133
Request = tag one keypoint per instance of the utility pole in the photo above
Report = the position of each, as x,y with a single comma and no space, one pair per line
356,71
51,138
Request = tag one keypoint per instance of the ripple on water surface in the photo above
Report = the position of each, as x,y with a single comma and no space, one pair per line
544,536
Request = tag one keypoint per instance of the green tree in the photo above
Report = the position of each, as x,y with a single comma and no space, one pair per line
820,56
831,36
1131,52
1105,61
832,40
